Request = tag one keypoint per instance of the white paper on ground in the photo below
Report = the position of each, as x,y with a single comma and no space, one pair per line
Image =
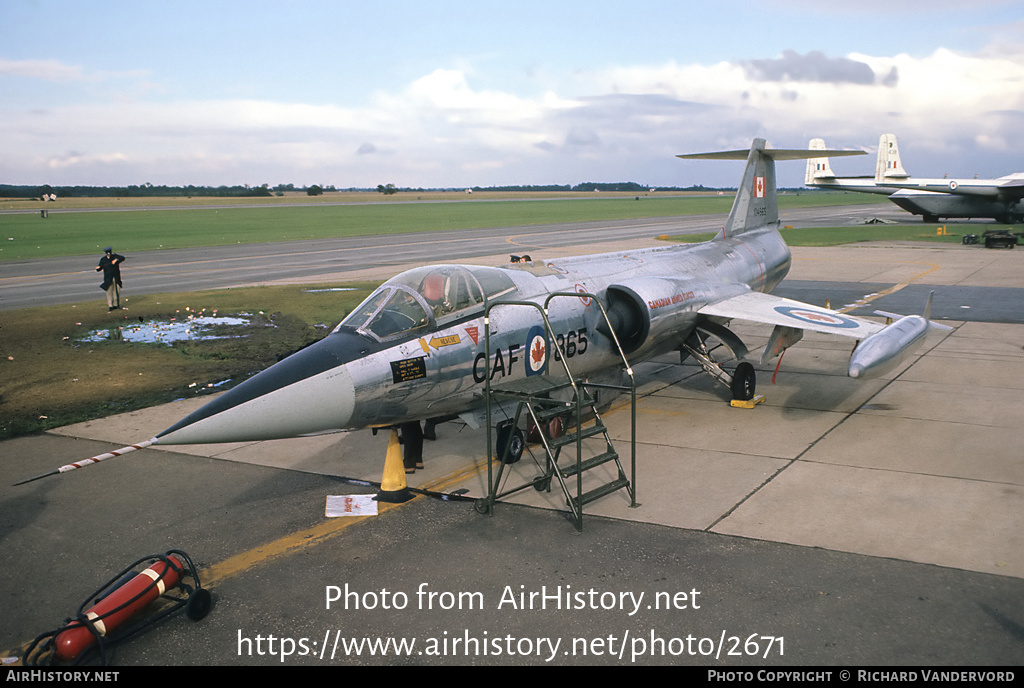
350,505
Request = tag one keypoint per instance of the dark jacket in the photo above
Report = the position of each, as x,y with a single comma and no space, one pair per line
110,264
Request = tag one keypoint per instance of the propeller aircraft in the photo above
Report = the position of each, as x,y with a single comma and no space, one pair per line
1001,199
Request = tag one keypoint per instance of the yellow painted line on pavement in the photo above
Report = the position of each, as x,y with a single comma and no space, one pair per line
318,534
283,546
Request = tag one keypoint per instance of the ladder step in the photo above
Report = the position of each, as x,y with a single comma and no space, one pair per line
549,412
599,492
569,411
592,462
570,437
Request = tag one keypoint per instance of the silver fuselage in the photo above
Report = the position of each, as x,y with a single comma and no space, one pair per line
439,370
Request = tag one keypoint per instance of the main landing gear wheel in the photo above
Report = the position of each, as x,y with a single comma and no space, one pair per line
744,382
512,438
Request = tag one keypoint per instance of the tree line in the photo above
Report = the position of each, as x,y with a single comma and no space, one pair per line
137,190
239,190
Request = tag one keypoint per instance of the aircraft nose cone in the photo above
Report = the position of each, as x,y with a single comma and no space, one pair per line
311,391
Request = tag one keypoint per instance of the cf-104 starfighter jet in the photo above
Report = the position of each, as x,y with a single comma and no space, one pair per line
415,350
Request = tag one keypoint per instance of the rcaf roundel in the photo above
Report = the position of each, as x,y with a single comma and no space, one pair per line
536,351
814,317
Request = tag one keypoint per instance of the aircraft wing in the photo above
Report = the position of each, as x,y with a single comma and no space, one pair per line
1013,187
1006,188
775,310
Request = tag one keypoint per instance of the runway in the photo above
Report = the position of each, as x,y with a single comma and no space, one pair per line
874,523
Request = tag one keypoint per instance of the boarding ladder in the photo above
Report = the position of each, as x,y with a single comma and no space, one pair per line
563,409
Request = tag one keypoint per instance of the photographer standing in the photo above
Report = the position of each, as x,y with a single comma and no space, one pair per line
110,264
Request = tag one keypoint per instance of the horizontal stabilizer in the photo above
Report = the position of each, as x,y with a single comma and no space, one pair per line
773,153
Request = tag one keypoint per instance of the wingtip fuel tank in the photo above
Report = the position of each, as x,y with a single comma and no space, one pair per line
886,349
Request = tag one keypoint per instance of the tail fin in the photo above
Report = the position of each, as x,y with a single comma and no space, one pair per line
817,168
888,165
756,204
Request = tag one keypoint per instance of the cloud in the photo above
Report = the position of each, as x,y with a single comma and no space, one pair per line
441,130
45,70
58,72
941,91
583,137
814,66
74,158
932,100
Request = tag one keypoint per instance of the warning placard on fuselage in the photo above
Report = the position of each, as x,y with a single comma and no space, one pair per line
409,369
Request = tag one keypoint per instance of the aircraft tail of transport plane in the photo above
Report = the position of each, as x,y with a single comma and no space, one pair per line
888,167
419,347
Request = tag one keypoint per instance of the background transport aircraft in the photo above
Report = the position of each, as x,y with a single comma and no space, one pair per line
429,343
1000,199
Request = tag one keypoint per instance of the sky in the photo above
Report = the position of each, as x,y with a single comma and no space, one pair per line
458,94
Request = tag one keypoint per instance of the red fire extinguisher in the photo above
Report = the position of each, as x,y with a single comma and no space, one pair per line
114,606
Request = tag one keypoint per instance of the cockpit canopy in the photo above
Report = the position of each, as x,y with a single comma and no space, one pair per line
426,297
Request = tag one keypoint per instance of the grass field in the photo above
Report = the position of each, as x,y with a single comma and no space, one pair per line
49,379
127,228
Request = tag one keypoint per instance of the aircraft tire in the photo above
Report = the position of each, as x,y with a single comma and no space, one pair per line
744,382
513,438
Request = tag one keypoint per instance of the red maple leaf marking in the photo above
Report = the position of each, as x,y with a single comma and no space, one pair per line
537,352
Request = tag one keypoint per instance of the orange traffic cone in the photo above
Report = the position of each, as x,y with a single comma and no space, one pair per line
393,487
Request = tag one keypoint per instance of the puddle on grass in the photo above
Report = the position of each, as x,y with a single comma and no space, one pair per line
194,329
